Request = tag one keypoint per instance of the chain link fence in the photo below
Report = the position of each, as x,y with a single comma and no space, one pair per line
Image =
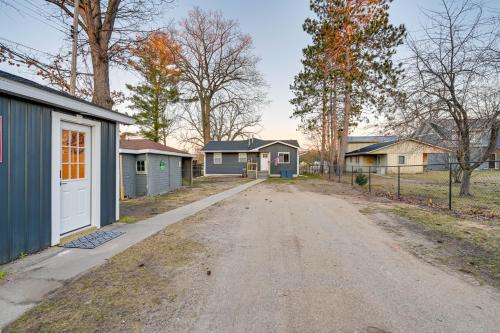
436,185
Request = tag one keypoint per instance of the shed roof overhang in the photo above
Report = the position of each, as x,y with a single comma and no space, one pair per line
45,96
154,151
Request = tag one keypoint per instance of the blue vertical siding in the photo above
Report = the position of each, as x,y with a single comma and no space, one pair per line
108,172
25,178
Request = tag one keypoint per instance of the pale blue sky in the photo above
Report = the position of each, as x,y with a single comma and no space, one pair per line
275,25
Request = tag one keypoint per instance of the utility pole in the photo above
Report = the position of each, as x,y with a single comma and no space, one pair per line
72,85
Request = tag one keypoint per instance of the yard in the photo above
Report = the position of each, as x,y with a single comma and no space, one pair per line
294,256
431,189
133,210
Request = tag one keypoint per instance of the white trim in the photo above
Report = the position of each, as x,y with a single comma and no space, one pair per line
275,142
64,102
298,163
117,170
284,152
145,172
213,159
204,164
276,175
246,158
229,151
153,151
95,214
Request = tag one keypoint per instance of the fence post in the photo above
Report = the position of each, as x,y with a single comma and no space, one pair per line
370,179
399,182
352,175
449,187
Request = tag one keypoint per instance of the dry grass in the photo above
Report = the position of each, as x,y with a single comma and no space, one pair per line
116,296
134,210
471,246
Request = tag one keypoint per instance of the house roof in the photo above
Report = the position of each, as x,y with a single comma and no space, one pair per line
381,145
18,86
244,145
372,138
143,146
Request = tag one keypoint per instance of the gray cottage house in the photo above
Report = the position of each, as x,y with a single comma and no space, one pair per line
150,168
58,166
272,158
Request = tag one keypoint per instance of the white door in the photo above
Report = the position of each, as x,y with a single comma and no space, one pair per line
264,161
75,176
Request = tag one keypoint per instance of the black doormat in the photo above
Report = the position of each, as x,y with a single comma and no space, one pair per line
93,240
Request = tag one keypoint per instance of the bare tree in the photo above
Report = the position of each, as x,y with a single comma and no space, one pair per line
230,121
108,28
457,62
217,66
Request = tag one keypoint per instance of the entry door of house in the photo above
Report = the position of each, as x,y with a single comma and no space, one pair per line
75,177
264,161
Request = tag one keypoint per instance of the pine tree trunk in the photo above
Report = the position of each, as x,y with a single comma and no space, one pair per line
333,125
345,129
324,128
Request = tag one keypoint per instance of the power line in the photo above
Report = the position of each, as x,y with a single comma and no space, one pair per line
44,20
26,46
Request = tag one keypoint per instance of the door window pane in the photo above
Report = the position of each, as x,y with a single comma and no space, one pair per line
81,155
74,171
74,155
74,140
65,172
65,138
65,154
81,171
81,139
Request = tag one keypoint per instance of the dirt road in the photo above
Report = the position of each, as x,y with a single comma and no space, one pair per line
295,261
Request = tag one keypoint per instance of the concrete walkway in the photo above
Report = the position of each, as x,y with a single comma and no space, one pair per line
33,277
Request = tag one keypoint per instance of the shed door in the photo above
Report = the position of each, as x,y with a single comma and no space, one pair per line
75,176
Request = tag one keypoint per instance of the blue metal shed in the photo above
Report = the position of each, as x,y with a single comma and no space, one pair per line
58,166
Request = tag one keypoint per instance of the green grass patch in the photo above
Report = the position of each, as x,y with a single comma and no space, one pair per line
129,219
3,275
281,180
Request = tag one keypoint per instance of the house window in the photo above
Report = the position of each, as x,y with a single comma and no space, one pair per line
401,159
217,158
140,166
284,158
357,159
242,157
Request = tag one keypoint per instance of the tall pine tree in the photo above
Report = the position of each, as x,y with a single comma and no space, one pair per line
152,98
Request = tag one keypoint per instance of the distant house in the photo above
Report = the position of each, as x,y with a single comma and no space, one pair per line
150,168
272,157
443,133
358,142
412,155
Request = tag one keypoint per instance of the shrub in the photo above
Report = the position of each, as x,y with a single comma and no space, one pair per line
361,179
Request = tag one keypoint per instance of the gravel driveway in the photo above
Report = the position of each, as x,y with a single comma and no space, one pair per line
297,261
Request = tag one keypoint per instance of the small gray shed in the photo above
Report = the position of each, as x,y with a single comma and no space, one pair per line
58,166
150,168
